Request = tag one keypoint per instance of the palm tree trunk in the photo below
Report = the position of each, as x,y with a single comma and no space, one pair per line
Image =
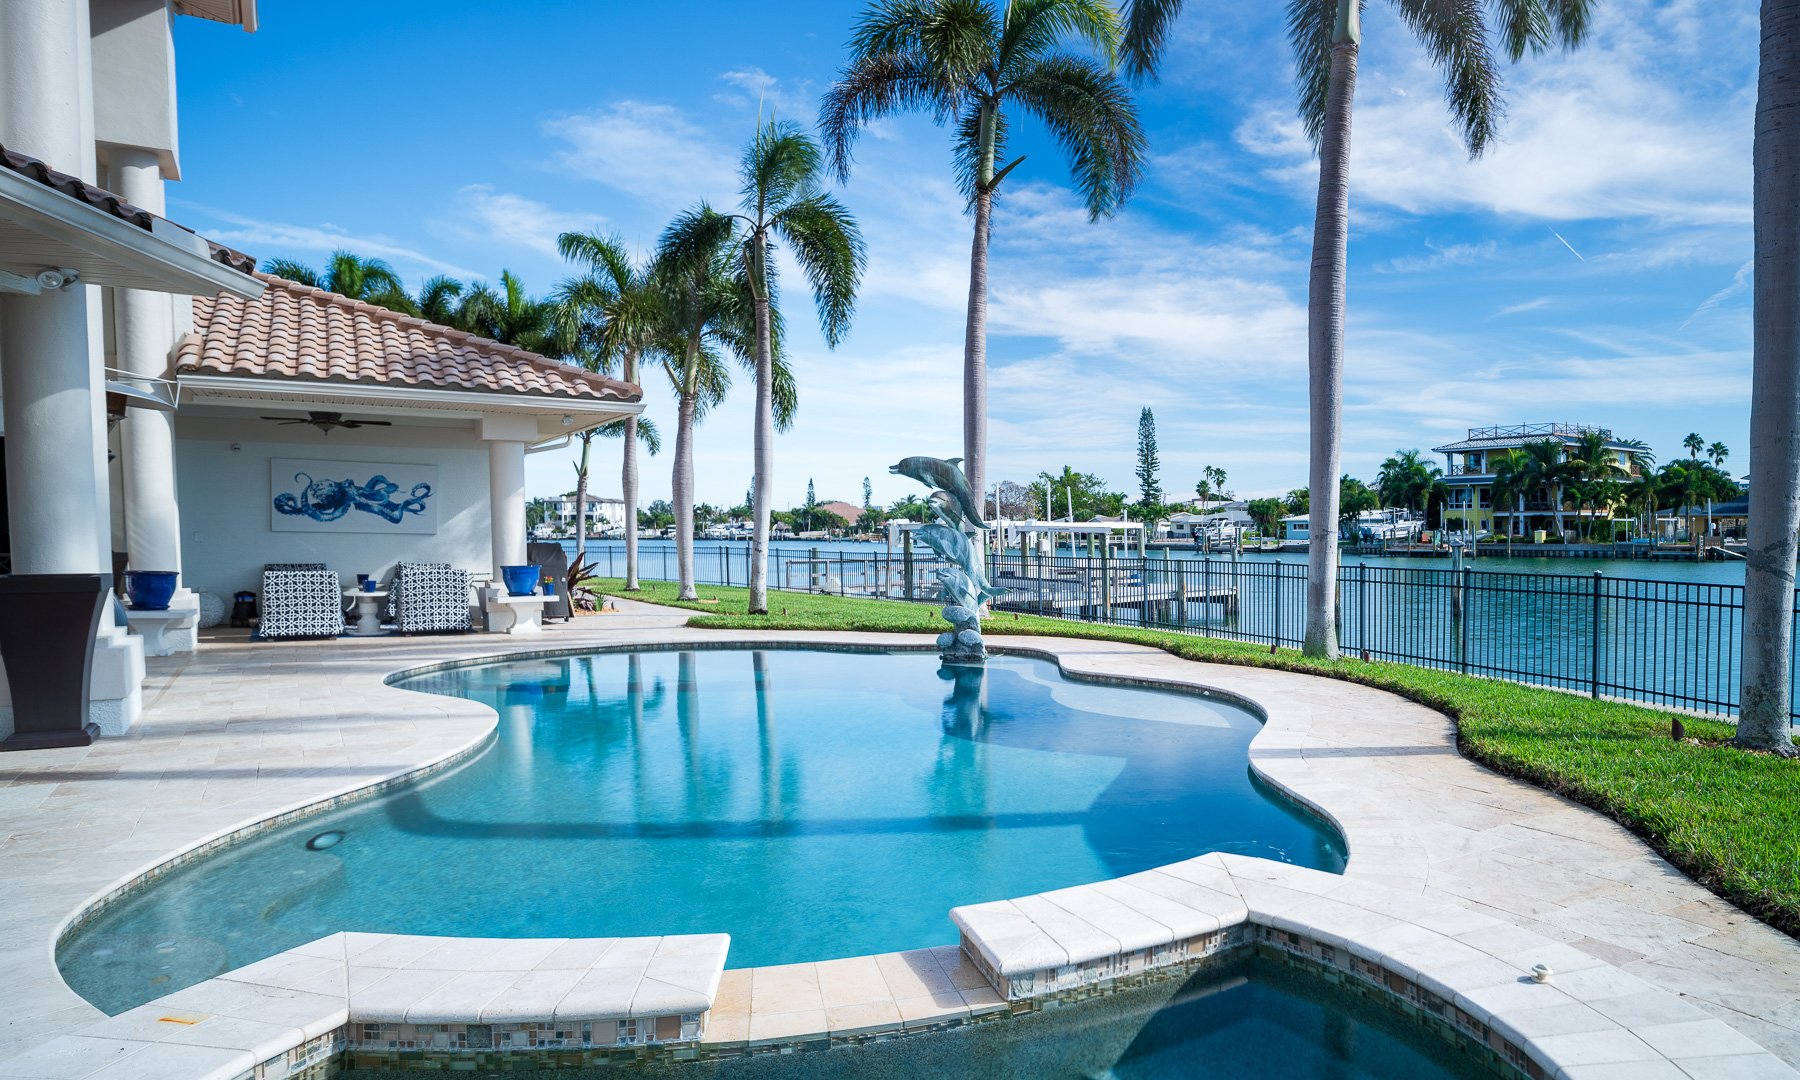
628,483
683,484
1325,345
581,478
1764,700
974,463
763,445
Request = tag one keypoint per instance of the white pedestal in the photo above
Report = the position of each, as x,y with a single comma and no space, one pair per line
513,614
166,633
368,611
116,695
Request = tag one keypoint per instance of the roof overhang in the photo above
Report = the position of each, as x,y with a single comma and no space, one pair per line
555,417
237,12
43,229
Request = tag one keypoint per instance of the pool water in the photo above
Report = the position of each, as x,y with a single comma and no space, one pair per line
812,804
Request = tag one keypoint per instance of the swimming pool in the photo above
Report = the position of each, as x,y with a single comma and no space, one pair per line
811,803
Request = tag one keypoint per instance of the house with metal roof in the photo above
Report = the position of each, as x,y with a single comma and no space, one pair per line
1470,464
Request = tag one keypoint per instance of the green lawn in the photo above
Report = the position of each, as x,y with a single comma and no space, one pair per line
1729,819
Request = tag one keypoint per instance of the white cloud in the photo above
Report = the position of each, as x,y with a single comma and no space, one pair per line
1603,132
777,98
481,213
647,150
278,239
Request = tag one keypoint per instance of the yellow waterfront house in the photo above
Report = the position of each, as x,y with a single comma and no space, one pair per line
1469,474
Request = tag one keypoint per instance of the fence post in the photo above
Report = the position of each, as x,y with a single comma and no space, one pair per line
1277,640
812,570
1362,609
1594,662
906,565
1462,623
725,565
840,571
1105,582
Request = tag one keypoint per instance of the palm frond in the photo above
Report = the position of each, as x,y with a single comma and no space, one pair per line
1146,35
437,299
780,165
1455,35
605,256
1524,25
1089,112
1034,28
647,434
297,272
829,247
1311,27
867,90
784,392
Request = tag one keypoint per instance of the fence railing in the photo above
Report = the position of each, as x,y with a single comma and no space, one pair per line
1671,643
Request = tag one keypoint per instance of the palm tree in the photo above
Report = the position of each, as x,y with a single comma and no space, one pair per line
710,313
1543,469
437,301
1408,480
1765,692
1694,444
1326,37
510,316
370,280
1717,453
1512,483
613,314
1592,463
965,62
782,197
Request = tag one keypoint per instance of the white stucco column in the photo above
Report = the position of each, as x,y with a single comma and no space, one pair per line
54,388
144,331
506,495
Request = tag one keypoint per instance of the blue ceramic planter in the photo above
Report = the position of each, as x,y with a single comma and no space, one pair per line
549,588
521,580
150,590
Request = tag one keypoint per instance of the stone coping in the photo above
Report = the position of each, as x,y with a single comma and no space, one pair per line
351,989
1324,741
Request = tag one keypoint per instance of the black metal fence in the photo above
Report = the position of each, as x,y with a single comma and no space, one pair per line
1672,643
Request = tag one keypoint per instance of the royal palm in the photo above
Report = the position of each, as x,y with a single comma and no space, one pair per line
613,313
1326,36
970,63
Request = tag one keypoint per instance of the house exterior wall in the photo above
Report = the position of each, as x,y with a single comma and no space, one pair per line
225,501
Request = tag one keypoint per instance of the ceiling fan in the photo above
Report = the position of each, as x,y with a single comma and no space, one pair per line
325,421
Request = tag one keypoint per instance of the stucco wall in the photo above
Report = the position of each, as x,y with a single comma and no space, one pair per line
225,496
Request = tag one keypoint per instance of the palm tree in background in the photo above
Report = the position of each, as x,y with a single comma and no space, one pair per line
610,316
1408,480
1327,37
710,314
1543,469
783,197
1593,464
510,316
967,63
370,280
1510,487
1694,444
1717,453
437,301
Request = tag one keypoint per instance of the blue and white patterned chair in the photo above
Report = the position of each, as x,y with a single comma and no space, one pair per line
300,600
429,598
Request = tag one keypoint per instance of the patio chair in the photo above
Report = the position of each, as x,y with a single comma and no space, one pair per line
300,600
554,559
429,598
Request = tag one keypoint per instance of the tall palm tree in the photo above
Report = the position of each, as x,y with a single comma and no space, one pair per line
347,274
613,314
1592,463
710,314
1512,483
1717,453
1765,693
1694,444
1408,480
1326,37
967,63
782,192
437,301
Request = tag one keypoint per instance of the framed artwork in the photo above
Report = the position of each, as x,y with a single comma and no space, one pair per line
352,496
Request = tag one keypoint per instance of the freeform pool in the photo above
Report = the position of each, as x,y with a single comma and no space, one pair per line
810,803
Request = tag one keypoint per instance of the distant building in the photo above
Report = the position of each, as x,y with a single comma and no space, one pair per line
602,513
1296,527
1469,474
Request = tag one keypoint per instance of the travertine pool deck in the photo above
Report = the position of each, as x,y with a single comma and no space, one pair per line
241,731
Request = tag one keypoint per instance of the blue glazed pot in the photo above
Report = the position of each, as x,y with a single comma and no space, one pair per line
549,588
150,590
521,580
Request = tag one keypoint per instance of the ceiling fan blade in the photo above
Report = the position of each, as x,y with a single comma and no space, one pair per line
367,423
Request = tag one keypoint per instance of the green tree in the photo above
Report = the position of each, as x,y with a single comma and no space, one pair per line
782,176
1267,513
1717,453
1694,444
660,514
1543,469
912,508
1327,37
868,494
1211,484
969,64
369,280
607,318
1087,492
1149,464
810,507
510,316
1511,487
1408,480
1299,501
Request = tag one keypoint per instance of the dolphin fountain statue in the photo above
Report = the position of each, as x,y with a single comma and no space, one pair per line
962,587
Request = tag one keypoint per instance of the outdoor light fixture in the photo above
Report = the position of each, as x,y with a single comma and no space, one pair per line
46,280
567,419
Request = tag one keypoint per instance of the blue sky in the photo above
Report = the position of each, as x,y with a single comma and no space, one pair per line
1592,267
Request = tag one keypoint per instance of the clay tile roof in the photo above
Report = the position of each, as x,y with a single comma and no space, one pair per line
294,331
101,199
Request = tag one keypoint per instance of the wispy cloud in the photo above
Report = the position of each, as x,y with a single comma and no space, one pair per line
481,213
279,239
651,151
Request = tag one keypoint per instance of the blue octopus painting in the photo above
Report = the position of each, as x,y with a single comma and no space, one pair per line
329,500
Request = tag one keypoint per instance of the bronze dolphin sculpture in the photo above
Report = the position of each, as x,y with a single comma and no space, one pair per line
944,474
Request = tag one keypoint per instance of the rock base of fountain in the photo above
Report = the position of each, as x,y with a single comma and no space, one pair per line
962,643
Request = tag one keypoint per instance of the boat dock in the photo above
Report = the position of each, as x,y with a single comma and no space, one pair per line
1097,593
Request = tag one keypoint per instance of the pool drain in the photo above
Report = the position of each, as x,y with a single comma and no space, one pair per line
325,840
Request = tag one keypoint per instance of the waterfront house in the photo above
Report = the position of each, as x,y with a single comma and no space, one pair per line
604,514
1469,465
